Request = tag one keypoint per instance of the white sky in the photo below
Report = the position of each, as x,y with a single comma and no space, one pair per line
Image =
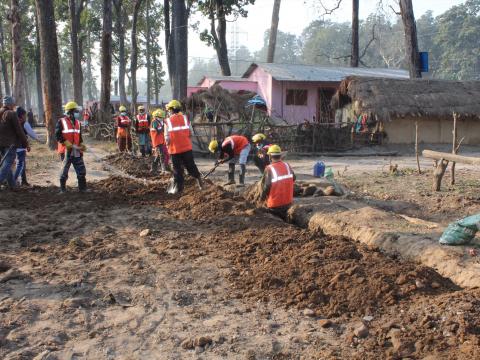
295,15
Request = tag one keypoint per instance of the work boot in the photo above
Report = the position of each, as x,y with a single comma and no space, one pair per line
24,179
199,183
63,186
154,169
231,175
82,185
241,176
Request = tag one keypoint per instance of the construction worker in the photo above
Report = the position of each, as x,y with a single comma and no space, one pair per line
142,127
71,147
123,125
277,183
261,158
158,141
233,148
178,134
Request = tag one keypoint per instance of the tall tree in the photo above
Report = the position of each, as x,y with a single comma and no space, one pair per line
411,42
176,44
4,62
18,75
272,41
38,72
148,54
134,55
50,66
217,12
76,8
355,37
120,17
106,62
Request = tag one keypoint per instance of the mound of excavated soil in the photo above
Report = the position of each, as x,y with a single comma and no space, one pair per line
132,165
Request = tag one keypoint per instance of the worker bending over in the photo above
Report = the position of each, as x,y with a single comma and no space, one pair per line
178,134
260,158
277,183
142,126
123,124
71,147
158,142
234,148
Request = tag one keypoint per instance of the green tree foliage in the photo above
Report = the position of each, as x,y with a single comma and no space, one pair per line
287,49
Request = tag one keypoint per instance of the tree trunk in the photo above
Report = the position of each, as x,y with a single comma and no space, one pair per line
28,102
169,46
355,26
38,74
454,148
106,61
76,8
89,67
148,52
438,172
18,76
155,78
4,63
272,41
219,36
411,41
120,30
50,67
180,42
134,57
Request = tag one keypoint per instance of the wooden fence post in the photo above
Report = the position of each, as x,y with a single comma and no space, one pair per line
454,148
416,148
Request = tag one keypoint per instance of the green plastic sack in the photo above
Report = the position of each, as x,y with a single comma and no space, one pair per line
461,232
329,172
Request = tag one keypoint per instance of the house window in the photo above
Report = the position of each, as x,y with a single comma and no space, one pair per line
296,97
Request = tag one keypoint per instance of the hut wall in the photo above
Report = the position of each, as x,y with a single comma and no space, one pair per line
239,85
434,131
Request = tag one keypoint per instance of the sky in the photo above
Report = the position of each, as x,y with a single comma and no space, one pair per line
295,15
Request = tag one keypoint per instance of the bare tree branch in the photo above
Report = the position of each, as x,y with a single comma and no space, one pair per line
328,11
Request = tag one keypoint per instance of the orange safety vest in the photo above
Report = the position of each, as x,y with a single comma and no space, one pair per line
142,122
178,129
156,133
124,132
70,132
238,143
281,189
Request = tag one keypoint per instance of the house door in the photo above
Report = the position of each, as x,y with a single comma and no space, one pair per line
325,113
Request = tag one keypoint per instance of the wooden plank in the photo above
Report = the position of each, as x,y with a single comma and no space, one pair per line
437,155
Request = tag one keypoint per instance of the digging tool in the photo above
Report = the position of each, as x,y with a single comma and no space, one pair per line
6,154
212,170
172,187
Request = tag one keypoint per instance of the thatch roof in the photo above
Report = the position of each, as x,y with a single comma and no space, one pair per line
389,98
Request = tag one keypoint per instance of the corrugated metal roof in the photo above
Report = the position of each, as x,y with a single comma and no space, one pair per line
297,72
216,78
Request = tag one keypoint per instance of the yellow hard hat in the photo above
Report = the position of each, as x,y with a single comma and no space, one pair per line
71,105
274,150
174,104
141,107
258,137
159,113
122,108
213,146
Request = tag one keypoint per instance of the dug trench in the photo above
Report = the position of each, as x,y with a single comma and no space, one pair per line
128,271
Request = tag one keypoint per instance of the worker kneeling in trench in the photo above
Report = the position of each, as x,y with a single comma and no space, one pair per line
277,183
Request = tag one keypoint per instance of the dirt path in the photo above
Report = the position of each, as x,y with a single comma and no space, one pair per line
212,278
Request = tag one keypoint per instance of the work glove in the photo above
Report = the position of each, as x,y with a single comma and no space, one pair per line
83,147
68,145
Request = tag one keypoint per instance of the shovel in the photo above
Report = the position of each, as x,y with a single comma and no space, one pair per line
172,187
212,170
6,154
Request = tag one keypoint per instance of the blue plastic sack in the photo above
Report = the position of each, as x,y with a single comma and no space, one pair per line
461,232
319,169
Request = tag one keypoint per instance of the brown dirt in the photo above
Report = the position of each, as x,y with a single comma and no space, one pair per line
83,284
137,166
411,194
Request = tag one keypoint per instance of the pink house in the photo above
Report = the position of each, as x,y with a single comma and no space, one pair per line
232,83
298,92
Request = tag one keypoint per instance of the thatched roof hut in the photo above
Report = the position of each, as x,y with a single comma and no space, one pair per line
398,98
